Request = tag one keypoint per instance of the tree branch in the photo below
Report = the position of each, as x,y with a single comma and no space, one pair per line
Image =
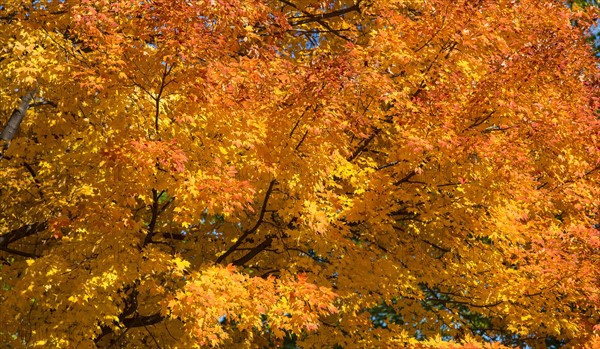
18,253
302,140
155,213
364,145
140,321
253,252
131,307
158,97
406,178
308,18
480,121
22,232
246,233
174,236
17,116
35,179
167,204
137,321
319,18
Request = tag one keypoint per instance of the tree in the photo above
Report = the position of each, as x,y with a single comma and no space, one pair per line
326,173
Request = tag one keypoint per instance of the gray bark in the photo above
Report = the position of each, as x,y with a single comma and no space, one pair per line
12,126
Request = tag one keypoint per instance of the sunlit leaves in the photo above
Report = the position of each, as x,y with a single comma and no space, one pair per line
219,297
227,173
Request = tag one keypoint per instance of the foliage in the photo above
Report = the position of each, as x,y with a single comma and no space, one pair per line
196,173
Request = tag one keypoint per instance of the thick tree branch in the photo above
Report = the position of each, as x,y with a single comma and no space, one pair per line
141,321
18,253
319,18
22,232
17,116
253,252
131,303
174,236
250,231
137,321
155,212
131,307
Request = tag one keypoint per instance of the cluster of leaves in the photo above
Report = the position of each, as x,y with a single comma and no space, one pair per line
248,304
368,173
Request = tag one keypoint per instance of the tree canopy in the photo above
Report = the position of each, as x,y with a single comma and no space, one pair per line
326,174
